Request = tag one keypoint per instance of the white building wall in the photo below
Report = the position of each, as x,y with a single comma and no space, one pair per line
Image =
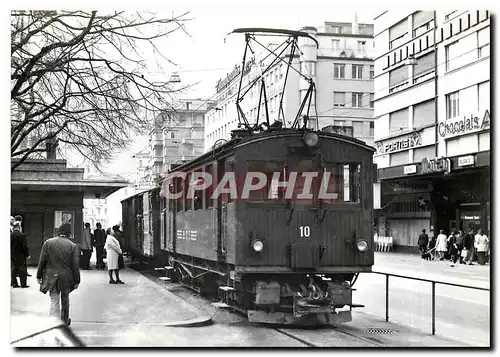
466,70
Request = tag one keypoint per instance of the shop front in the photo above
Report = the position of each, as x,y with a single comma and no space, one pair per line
438,193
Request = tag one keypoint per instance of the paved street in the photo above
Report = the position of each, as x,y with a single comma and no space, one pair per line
135,314
461,313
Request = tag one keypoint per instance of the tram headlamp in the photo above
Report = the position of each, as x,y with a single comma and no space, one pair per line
362,246
311,138
257,245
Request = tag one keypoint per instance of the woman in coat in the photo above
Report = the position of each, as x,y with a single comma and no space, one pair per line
441,247
482,247
113,251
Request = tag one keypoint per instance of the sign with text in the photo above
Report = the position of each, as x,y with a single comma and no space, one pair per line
406,142
467,124
436,165
466,160
410,169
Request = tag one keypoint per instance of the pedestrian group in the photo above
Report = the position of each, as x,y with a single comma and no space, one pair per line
458,246
60,261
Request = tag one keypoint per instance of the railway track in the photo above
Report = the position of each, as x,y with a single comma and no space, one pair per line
304,336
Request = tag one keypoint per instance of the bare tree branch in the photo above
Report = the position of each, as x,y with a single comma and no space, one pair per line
79,77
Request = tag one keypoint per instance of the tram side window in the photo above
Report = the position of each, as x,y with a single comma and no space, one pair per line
208,191
343,185
178,187
198,194
274,172
187,200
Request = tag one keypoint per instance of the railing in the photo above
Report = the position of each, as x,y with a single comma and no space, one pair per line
433,282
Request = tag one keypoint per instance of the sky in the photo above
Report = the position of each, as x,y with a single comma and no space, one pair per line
207,53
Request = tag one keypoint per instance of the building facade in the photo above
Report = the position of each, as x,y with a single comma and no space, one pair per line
432,122
341,67
178,136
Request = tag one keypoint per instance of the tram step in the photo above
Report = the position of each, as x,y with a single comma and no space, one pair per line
220,305
168,267
164,278
226,288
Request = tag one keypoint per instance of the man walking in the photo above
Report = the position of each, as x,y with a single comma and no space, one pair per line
58,271
423,241
18,254
86,246
99,242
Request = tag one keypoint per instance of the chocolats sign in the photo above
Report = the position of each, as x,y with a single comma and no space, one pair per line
464,125
405,143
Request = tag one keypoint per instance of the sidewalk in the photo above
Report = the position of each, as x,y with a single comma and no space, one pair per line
116,308
413,265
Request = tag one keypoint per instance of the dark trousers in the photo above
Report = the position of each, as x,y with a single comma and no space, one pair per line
18,269
481,258
87,254
60,310
99,251
423,249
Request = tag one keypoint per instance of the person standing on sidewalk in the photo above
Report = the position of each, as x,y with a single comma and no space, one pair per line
119,237
423,241
86,246
99,242
58,271
18,254
468,247
482,247
441,244
113,251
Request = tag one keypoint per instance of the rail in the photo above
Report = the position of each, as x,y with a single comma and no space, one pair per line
433,282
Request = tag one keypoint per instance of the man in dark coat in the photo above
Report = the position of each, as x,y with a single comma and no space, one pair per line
58,271
18,254
423,241
99,242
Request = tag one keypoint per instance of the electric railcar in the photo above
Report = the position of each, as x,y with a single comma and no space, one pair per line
281,255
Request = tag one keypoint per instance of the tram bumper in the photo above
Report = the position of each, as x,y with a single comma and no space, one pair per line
305,306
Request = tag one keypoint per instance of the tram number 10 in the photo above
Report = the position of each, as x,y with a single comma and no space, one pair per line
305,231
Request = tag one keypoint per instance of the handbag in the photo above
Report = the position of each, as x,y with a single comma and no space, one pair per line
121,262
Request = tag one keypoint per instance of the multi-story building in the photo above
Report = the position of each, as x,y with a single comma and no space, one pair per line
143,170
178,136
432,126
341,67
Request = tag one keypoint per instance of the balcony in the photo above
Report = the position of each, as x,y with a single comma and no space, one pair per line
348,52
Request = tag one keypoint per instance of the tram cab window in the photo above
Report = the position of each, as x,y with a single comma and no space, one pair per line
343,183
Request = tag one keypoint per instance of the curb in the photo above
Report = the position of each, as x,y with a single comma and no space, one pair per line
195,322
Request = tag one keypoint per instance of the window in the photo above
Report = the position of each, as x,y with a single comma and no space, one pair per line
452,103
339,99
398,121
398,76
357,101
424,113
339,71
357,71
422,22
372,129
336,44
483,96
399,158
188,105
372,72
271,190
420,153
361,45
483,42
397,33
424,66
452,53
343,185
61,217
357,127
372,100
307,68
